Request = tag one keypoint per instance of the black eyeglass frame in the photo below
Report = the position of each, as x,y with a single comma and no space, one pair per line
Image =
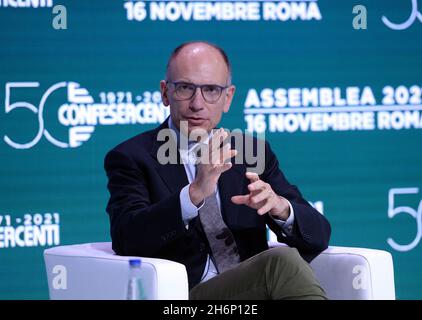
196,86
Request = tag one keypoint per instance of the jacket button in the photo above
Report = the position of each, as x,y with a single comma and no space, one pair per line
201,247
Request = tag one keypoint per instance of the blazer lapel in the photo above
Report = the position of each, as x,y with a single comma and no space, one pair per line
173,174
231,183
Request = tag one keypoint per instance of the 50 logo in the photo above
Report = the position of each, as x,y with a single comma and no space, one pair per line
75,95
78,113
414,15
394,210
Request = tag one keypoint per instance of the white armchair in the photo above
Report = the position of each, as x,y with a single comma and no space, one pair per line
94,271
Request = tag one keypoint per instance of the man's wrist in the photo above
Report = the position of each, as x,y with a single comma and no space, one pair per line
195,194
282,211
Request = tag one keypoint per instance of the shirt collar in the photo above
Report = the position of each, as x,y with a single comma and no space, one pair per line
190,143
188,155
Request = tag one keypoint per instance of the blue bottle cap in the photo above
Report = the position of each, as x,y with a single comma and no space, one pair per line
135,262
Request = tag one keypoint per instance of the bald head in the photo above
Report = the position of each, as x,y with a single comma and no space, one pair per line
193,49
205,67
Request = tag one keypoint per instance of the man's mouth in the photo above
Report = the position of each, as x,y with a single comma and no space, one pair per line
195,120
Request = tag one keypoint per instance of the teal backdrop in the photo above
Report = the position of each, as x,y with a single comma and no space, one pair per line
338,97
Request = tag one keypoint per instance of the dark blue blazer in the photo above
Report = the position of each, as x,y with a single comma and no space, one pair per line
145,212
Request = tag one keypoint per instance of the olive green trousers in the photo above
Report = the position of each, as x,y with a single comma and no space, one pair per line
276,274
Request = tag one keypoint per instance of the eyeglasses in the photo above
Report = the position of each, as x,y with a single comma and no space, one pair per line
210,92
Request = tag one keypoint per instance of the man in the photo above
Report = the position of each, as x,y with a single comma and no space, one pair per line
211,215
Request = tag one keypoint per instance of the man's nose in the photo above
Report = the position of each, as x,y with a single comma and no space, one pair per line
197,101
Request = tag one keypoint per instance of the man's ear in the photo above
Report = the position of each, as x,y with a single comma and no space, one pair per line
164,96
229,97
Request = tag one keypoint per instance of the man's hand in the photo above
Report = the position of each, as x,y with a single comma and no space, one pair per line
213,163
263,198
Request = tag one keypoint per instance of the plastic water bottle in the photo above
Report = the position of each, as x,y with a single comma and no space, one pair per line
135,291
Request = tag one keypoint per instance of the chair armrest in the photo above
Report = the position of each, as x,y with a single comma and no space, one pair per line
93,271
354,273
